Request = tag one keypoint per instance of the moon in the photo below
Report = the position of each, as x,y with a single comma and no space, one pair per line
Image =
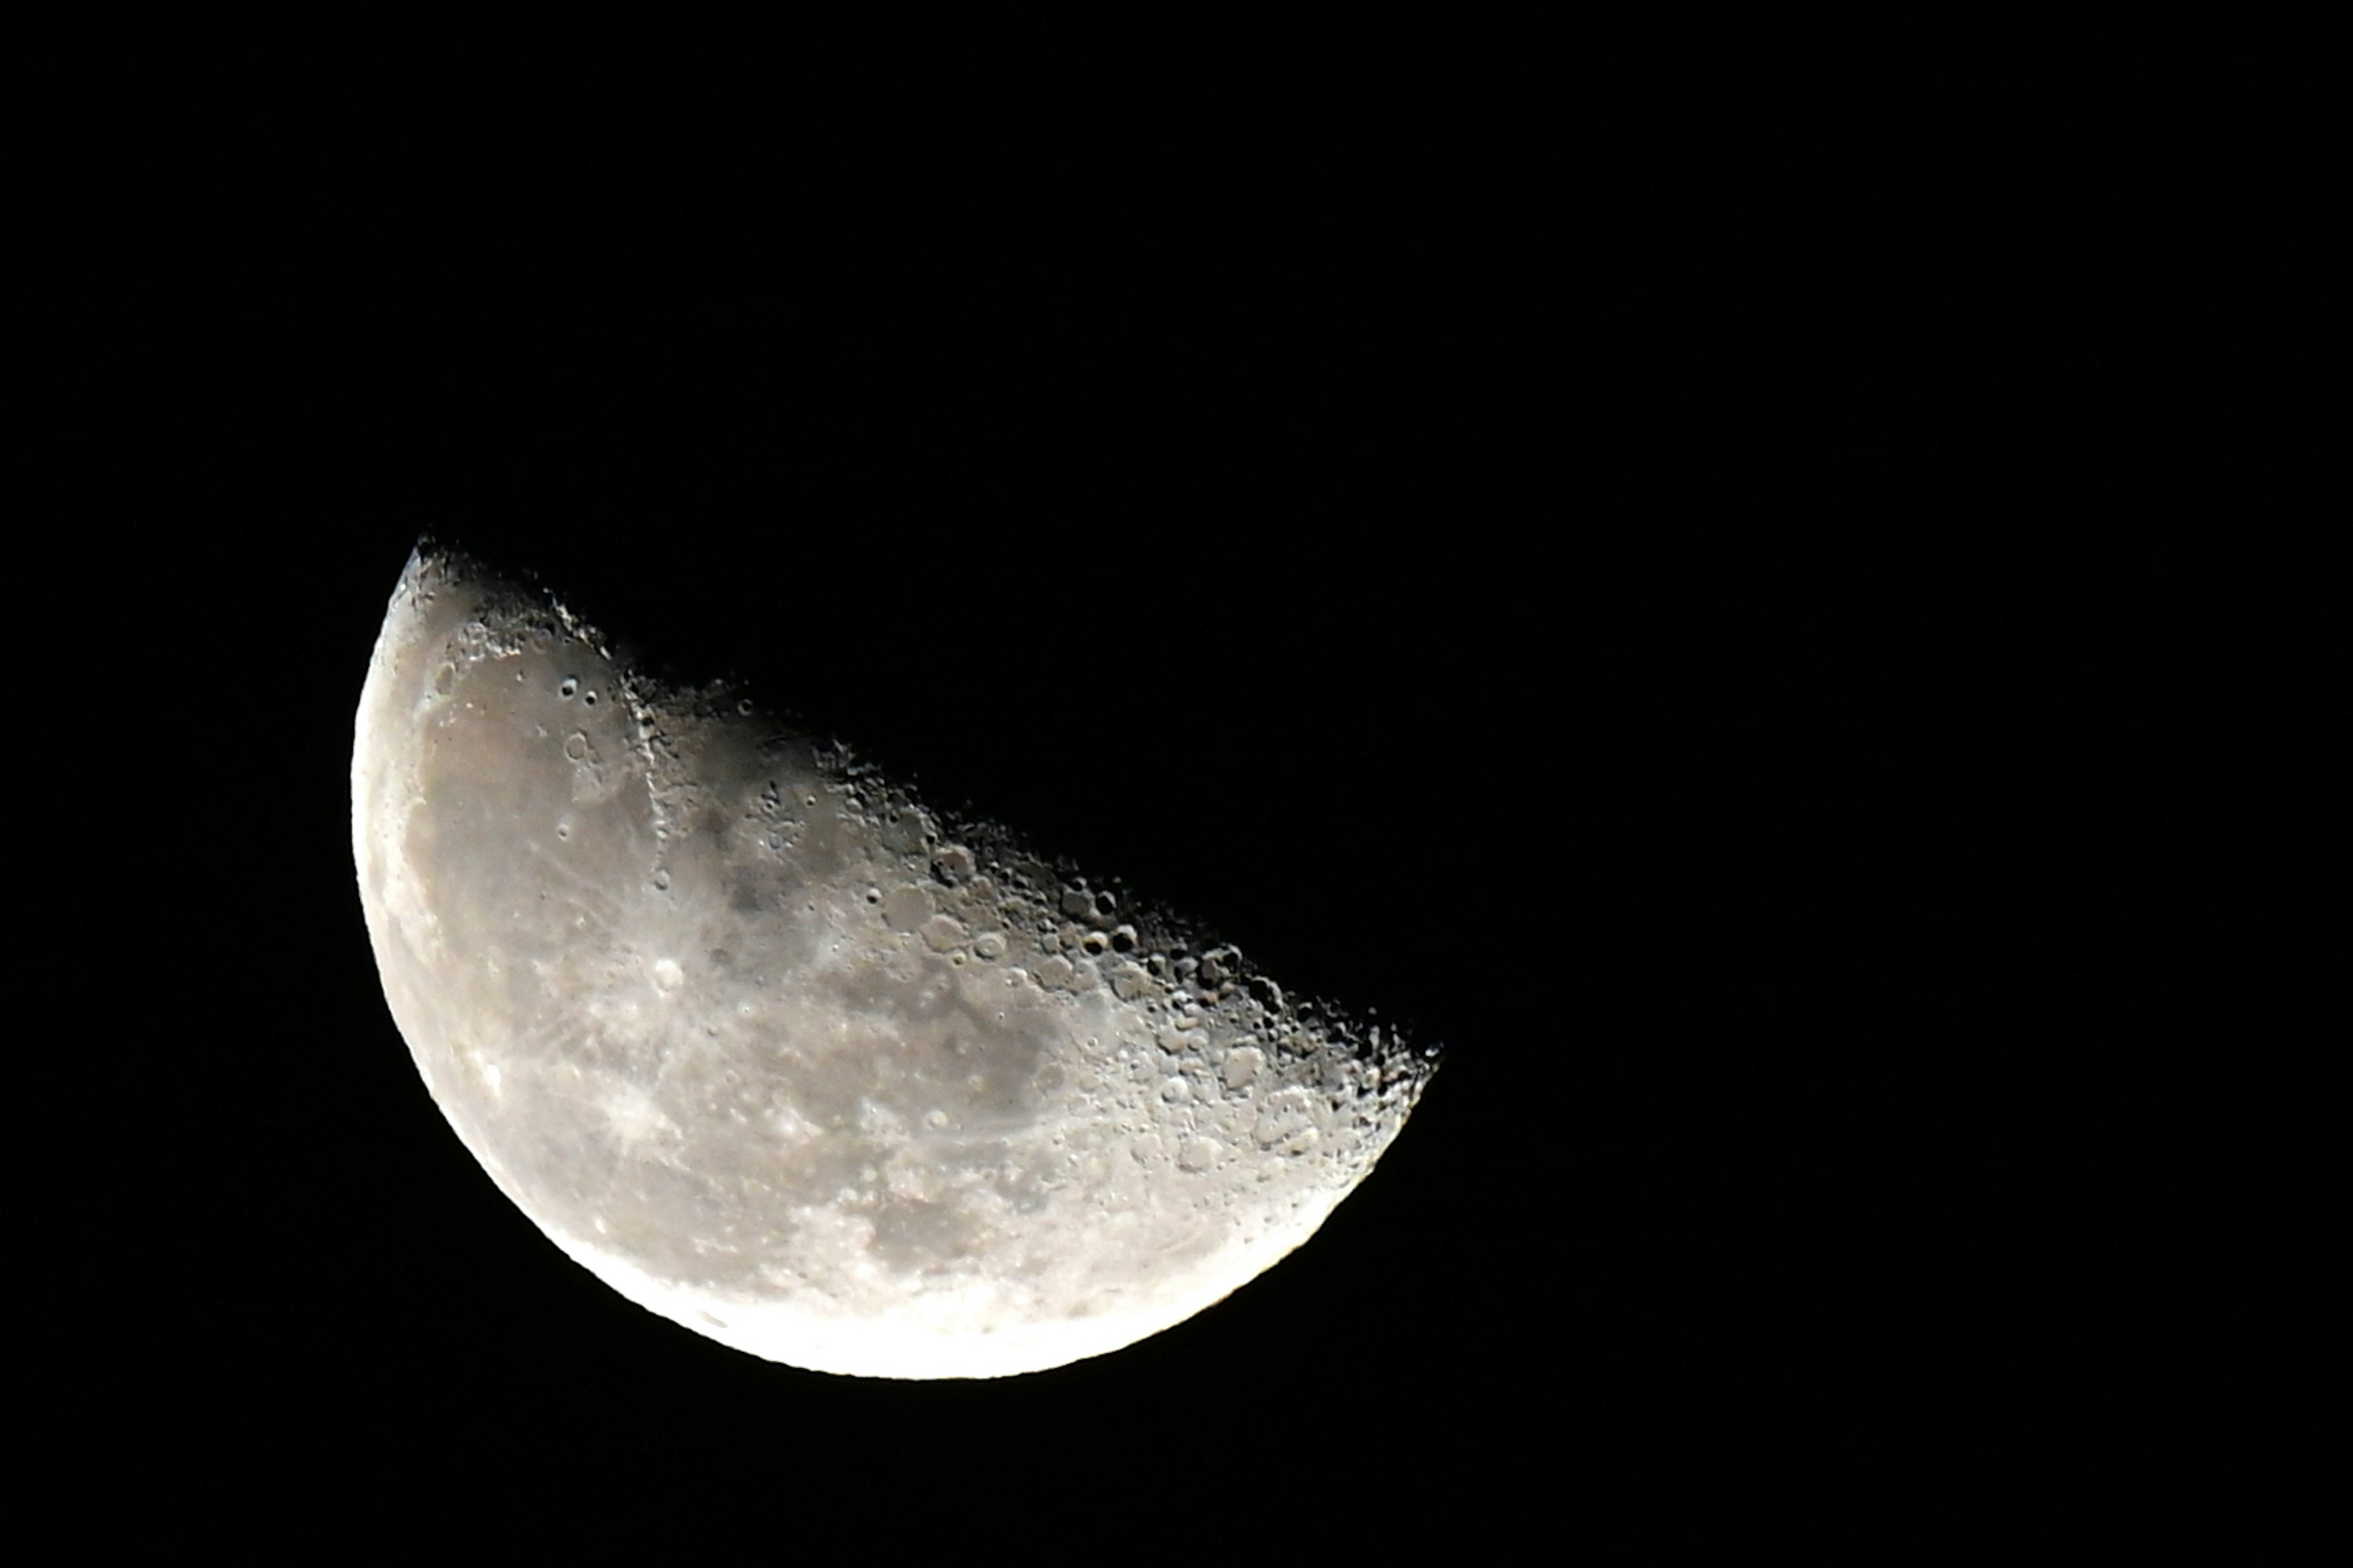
783,1054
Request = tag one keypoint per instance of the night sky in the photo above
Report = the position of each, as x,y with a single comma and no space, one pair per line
1645,580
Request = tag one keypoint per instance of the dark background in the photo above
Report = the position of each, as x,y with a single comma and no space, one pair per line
1664,574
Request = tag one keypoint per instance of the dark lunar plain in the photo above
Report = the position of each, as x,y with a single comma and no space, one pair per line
1655,583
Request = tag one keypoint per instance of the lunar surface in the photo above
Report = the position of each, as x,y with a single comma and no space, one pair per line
782,1054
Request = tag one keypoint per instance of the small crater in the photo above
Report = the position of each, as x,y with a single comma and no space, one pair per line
1200,1153
906,907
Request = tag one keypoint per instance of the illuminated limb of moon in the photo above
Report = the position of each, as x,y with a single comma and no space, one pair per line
784,1057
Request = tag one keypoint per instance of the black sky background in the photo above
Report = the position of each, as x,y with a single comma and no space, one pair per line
1657,580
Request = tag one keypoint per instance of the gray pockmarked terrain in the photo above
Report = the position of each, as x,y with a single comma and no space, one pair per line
783,1054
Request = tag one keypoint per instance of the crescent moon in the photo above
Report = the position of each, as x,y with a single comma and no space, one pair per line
780,1052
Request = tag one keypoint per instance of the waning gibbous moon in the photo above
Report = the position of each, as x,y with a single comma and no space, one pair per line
783,1054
